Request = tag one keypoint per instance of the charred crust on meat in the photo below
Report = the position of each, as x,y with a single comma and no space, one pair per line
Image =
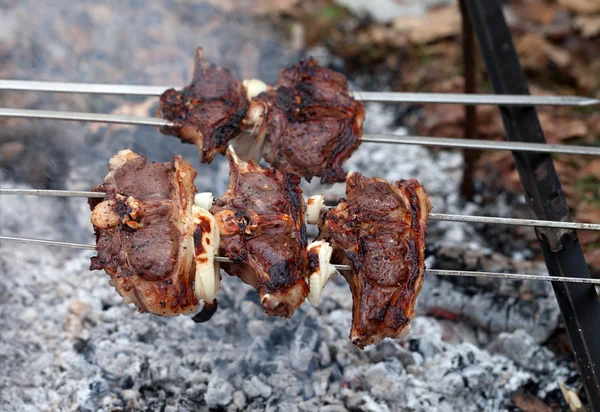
206,313
279,276
121,208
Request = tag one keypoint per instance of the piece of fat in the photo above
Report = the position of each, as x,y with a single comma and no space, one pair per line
206,246
321,274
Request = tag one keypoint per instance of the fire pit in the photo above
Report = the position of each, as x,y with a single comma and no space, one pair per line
68,341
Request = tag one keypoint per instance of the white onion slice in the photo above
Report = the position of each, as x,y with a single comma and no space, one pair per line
319,278
208,274
254,87
204,200
314,287
314,209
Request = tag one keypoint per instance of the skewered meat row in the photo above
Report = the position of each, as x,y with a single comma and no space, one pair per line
158,247
379,230
158,242
307,124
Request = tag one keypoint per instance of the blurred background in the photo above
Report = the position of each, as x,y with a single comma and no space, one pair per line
475,344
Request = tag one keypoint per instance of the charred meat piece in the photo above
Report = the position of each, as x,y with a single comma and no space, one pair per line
145,233
308,124
379,230
261,224
208,112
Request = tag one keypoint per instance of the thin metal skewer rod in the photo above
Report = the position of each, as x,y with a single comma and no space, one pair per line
475,99
222,259
481,144
46,192
384,97
432,216
366,138
85,117
512,276
43,242
513,222
86,88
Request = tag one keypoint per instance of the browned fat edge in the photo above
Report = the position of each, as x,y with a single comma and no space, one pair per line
294,193
180,188
417,234
183,295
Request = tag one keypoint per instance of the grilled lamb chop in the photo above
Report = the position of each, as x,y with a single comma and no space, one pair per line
261,224
308,124
208,112
149,237
380,231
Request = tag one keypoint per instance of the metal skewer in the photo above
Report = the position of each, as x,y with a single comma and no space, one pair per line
46,192
481,144
366,138
513,222
432,216
442,272
85,117
385,97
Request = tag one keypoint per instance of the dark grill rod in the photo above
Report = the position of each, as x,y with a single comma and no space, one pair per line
467,187
578,303
432,216
366,137
383,97
440,272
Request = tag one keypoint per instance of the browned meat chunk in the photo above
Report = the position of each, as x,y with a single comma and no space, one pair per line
380,231
261,223
308,124
208,112
145,233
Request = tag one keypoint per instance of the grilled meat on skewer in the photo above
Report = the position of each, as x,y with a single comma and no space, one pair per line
158,243
208,112
308,124
150,237
261,221
380,231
